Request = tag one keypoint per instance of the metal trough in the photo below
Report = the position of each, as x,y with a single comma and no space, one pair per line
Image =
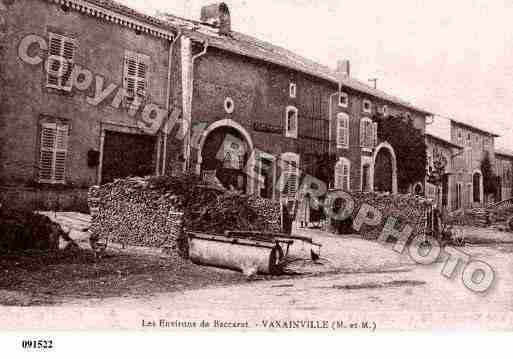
247,255
297,246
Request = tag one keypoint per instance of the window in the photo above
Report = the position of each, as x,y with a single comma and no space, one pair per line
342,130
459,135
291,122
368,133
367,106
228,105
135,80
385,111
53,152
290,174
61,54
343,99
342,174
459,195
292,90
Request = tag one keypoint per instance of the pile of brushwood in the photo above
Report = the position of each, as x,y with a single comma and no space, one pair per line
474,217
146,211
404,208
25,230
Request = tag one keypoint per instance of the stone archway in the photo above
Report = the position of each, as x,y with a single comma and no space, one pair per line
384,168
224,149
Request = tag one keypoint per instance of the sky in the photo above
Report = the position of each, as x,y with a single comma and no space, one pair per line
454,58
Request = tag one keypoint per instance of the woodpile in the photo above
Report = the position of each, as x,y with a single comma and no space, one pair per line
475,217
154,211
406,209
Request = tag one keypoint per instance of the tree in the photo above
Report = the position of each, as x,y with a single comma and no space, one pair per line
409,146
490,180
436,171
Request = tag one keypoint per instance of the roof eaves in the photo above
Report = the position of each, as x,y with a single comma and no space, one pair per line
472,127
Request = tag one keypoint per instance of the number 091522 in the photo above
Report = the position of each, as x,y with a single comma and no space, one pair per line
37,344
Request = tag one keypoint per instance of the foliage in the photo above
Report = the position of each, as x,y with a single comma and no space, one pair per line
409,146
436,171
490,180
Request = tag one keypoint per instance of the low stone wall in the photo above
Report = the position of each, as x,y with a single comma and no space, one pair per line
44,199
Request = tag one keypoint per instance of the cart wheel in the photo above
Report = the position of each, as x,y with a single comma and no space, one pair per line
275,258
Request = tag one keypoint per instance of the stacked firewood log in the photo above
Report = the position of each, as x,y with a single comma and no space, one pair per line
405,209
155,211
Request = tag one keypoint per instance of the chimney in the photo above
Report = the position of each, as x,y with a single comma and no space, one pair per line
217,15
343,68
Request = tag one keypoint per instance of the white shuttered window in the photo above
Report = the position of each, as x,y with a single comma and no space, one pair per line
135,79
368,133
342,174
290,174
61,55
53,153
342,130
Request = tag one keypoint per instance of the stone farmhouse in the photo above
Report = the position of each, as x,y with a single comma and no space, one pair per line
93,90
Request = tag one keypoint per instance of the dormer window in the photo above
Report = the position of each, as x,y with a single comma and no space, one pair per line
292,90
367,106
343,99
291,122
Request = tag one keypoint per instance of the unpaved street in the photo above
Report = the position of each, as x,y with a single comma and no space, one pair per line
405,295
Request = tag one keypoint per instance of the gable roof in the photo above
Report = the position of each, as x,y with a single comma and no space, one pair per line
474,128
252,47
504,153
442,140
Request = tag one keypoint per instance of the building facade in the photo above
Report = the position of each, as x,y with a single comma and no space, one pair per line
441,155
504,171
94,91
477,144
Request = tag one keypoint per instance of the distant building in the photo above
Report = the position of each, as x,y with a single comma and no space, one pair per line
504,170
467,146
445,192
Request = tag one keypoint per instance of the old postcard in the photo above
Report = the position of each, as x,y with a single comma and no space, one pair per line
287,165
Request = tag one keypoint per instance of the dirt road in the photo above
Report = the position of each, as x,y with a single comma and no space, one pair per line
403,296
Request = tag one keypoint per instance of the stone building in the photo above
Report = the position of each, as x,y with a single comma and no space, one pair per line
477,144
445,189
93,91
504,171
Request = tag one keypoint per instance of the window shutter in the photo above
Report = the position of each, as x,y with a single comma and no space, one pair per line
338,175
60,152
48,134
130,74
291,176
345,176
362,133
61,55
342,130
54,145
375,134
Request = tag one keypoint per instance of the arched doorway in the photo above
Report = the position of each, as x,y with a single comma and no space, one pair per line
223,152
477,187
385,169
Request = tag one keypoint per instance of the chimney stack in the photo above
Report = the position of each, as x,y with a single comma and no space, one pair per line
217,15
343,68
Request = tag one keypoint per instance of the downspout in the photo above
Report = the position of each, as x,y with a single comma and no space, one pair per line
189,102
168,100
